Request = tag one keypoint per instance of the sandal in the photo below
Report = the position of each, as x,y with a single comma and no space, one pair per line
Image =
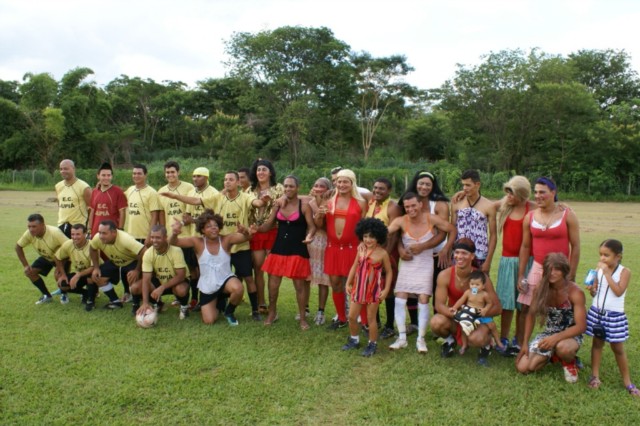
594,382
268,322
633,390
263,309
304,327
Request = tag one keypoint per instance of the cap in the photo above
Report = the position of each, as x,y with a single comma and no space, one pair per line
201,171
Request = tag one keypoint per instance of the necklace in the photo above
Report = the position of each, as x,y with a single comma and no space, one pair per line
545,226
475,202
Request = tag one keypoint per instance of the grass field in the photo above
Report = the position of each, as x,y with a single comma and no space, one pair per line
61,365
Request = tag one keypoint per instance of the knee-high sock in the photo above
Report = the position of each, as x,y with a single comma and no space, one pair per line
401,317
423,319
390,305
339,300
40,285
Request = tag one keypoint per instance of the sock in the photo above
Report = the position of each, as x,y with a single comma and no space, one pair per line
184,300
92,289
423,319
363,316
40,285
450,339
110,292
390,305
339,301
401,317
136,299
230,309
125,284
321,310
193,284
412,306
356,338
253,299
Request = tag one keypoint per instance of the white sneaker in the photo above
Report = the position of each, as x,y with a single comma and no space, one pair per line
421,345
126,298
398,344
64,299
319,319
44,299
184,312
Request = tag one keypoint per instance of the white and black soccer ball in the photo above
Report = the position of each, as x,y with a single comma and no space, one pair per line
147,319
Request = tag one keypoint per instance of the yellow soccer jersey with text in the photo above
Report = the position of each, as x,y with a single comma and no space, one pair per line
196,211
72,207
47,245
164,266
140,204
79,257
233,211
173,209
122,252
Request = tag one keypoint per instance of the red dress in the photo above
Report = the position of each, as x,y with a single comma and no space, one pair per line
341,252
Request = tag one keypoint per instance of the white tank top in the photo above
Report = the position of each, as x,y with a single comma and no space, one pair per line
214,269
436,249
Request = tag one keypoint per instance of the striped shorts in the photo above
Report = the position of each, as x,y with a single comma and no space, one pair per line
615,324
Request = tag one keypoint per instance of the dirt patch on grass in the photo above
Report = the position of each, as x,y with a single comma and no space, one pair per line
608,218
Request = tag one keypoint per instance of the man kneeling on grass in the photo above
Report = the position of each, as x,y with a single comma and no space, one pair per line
76,252
212,250
164,271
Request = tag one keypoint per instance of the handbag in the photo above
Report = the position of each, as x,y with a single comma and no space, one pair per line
598,329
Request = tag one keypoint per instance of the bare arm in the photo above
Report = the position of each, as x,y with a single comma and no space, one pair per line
311,227
21,257
194,201
441,294
122,217
574,241
496,307
525,247
491,216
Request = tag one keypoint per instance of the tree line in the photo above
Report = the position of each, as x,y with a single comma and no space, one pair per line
301,97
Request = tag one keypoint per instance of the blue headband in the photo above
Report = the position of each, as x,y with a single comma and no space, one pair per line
552,186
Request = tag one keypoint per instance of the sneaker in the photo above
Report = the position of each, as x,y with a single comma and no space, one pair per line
387,332
351,344
184,312
319,318
505,346
115,304
175,302
412,328
306,314
255,315
196,308
90,306
398,344
448,349
570,371
44,299
579,363
126,298
231,319
64,299
337,324
58,292
421,346
83,300
370,349
483,356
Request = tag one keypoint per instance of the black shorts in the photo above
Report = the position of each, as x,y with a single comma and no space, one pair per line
43,265
155,283
110,271
82,282
220,294
241,262
125,269
190,257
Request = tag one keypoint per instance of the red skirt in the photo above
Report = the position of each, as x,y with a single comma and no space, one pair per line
294,267
339,258
264,240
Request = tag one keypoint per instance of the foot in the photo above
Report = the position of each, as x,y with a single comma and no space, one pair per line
462,350
304,325
412,328
271,319
255,315
570,371
421,345
448,349
337,324
398,344
633,390
483,356
64,299
319,318
184,312
387,332
594,382
370,349
90,306
114,304
351,344
126,298
231,319
263,309
44,299
175,302
502,347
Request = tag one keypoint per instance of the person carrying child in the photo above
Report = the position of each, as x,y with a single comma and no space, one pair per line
369,281
470,308
606,320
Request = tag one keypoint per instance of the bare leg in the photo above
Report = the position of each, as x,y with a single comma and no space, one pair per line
301,297
505,323
274,290
258,257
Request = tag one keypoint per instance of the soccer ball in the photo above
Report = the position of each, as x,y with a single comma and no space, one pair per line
147,319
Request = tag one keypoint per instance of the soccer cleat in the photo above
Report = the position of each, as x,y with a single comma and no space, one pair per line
184,312
126,298
421,345
64,299
255,315
398,344
58,292
505,347
483,356
335,325
370,349
114,304
448,349
351,344
570,371
44,299
90,306
175,302
387,332
319,318
231,319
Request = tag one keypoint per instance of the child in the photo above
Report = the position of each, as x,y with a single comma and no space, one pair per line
468,310
606,320
365,282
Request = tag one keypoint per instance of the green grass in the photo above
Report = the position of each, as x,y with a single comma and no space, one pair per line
61,365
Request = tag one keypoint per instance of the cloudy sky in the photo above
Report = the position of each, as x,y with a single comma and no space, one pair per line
184,40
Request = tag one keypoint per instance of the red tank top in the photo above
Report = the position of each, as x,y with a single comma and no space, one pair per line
351,217
512,235
453,292
550,240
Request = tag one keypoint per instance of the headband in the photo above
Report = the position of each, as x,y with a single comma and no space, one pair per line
427,174
552,186
464,246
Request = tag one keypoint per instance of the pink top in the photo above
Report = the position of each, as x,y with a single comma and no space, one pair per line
554,239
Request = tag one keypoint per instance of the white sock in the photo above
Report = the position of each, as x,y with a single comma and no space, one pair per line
356,338
401,317
106,287
450,339
423,319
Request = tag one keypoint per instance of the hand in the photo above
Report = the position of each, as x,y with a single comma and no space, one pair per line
548,343
486,266
95,275
444,261
156,294
592,290
168,195
143,308
603,266
73,282
384,294
176,226
451,310
405,255
322,210
27,270
308,239
457,197
265,196
415,249
524,351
